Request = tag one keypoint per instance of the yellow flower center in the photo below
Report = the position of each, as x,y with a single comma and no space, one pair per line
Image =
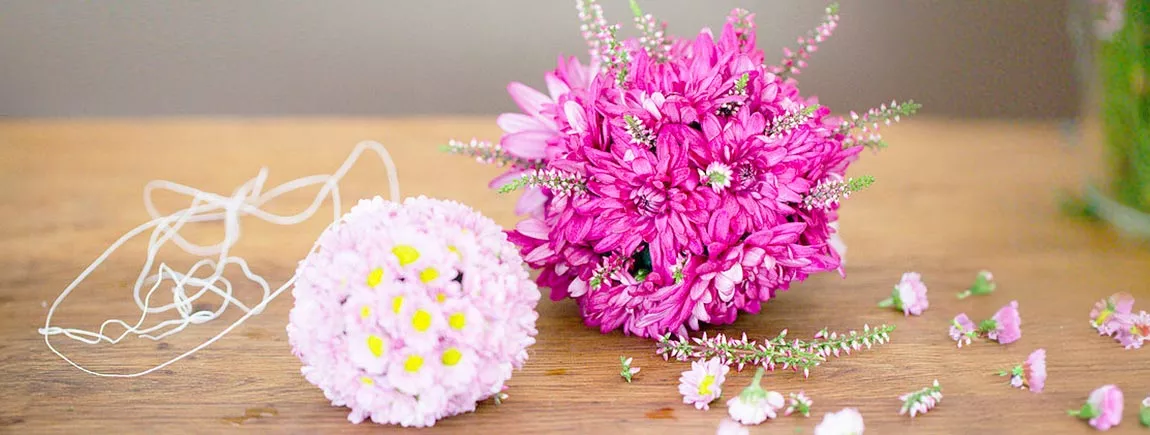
441,298
375,345
365,312
367,380
421,320
413,363
451,356
406,254
705,385
374,277
1102,317
397,304
457,321
428,275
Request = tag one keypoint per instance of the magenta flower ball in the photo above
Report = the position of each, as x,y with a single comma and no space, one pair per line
409,313
678,181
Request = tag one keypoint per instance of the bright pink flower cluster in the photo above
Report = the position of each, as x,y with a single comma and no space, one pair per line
700,181
411,313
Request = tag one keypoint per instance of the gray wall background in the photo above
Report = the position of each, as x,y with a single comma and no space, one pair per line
1007,58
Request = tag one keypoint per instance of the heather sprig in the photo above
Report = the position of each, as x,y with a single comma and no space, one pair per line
559,182
794,354
739,89
921,401
639,133
743,21
832,343
868,124
799,403
795,60
828,193
628,372
788,121
489,153
654,38
591,22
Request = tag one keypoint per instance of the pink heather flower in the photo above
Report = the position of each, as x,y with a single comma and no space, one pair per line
1031,374
1108,314
909,295
409,313
1135,330
799,403
703,383
697,160
1006,325
728,427
1103,408
755,405
921,401
962,329
845,422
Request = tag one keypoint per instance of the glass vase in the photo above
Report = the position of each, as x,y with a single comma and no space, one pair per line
1112,38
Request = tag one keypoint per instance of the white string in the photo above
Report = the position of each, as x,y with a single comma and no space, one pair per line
246,200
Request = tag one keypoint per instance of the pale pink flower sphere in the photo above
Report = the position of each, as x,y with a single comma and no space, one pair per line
846,422
409,313
703,383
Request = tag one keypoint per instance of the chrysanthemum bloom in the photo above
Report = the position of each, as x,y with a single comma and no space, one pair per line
675,182
799,403
1006,325
962,329
1107,314
845,422
909,295
755,405
408,313
1135,330
703,383
1103,408
1031,374
728,427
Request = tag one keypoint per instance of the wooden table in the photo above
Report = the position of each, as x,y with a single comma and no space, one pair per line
952,197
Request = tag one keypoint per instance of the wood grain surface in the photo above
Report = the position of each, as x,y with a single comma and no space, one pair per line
952,197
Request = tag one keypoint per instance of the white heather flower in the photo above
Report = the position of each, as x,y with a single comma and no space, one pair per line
800,403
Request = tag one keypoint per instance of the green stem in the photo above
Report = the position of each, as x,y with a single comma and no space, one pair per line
886,303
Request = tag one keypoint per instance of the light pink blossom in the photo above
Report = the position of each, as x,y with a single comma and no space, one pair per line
1107,314
1006,325
1135,330
799,403
1103,408
962,329
703,383
1031,374
845,422
909,295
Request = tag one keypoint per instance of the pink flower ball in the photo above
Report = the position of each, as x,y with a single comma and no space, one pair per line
409,313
